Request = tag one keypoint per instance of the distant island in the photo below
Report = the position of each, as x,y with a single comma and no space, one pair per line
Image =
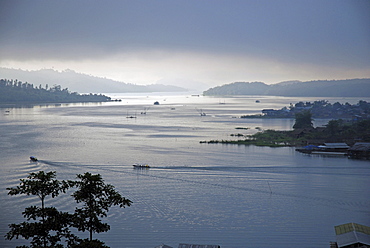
14,91
320,88
319,109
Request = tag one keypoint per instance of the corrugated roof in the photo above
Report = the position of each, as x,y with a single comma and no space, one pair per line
360,146
352,233
350,227
336,145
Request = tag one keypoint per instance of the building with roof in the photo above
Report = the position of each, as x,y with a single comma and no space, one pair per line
360,150
335,146
352,235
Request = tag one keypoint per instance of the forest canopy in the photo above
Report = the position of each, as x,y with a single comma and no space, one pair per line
14,91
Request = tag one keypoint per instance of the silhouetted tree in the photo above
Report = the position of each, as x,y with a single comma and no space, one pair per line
49,226
96,198
16,91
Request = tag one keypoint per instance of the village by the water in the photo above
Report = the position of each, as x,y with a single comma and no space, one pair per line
346,134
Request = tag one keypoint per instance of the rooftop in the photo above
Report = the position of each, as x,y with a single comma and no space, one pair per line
352,233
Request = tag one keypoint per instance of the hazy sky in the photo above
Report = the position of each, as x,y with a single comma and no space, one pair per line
208,41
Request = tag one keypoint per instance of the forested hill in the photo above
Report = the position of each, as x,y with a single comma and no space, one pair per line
14,91
82,83
320,88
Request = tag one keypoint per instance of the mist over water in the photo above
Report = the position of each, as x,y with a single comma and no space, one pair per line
233,196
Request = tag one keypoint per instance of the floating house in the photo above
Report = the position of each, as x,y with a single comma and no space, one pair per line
360,150
335,147
352,235
326,149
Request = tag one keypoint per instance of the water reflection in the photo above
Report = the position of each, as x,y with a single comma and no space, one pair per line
235,196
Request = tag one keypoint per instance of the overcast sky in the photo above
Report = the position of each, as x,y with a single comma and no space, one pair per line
208,41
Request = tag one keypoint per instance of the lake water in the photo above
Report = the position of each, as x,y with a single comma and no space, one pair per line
229,195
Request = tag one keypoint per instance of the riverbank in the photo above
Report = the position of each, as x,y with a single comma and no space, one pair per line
270,138
15,92
335,131
321,109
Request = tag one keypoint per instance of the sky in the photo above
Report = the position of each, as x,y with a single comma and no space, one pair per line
179,42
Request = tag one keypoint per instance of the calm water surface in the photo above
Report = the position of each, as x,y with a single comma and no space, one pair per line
233,196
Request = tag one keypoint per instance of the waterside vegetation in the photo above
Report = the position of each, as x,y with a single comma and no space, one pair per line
14,91
45,226
319,109
303,134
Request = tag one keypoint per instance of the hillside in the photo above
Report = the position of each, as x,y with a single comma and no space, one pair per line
320,88
83,83
21,92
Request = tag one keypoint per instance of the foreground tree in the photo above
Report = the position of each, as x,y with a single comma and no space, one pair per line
49,226
96,198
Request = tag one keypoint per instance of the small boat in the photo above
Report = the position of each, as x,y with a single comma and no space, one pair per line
141,166
33,159
201,112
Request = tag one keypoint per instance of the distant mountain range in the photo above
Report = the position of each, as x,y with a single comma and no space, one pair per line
81,83
319,88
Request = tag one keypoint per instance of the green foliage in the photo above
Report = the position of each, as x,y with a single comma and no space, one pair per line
334,126
303,120
272,138
335,131
319,109
19,92
341,131
87,243
40,184
96,198
48,227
